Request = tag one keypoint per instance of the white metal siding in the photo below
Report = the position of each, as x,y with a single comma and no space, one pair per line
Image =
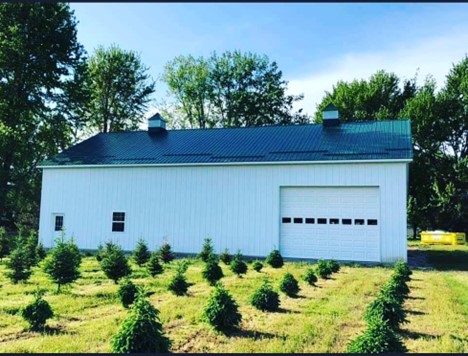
237,206
338,241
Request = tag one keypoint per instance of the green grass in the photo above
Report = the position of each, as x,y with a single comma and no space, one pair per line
322,319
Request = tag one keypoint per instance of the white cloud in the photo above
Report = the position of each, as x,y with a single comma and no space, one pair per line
431,55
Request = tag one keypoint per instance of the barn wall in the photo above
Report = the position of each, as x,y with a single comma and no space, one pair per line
237,206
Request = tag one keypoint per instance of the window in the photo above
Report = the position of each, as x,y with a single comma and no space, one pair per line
321,221
334,221
358,221
371,221
118,221
346,221
310,221
297,220
58,223
286,220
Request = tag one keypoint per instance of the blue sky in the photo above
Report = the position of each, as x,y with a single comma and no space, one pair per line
315,45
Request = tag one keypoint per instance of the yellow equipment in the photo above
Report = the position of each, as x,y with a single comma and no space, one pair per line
440,237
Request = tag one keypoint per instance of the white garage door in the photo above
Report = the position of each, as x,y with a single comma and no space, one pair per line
330,222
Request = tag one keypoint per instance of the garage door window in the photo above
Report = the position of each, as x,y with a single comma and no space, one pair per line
321,221
286,220
310,221
334,221
358,221
371,221
298,220
346,221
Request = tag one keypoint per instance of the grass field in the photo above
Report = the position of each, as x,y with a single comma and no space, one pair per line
322,319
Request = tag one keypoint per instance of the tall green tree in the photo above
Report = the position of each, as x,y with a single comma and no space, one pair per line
38,52
230,90
379,98
118,90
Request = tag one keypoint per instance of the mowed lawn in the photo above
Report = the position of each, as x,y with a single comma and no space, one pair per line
322,319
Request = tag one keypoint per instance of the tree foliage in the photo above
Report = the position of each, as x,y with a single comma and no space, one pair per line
63,262
114,263
118,89
20,262
39,53
142,331
37,312
233,89
221,310
141,254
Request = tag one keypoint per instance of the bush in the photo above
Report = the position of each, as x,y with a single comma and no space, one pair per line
396,288
127,293
323,269
212,272
31,245
37,313
401,268
222,310
265,298
153,265
379,337
20,262
310,277
207,251
178,284
63,263
142,331
238,266
274,259
289,285
386,308
165,253
225,257
114,263
334,266
257,266
141,254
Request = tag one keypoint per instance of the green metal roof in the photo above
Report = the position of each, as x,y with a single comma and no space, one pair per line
370,140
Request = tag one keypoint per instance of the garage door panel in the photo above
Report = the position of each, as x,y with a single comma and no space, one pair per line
339,241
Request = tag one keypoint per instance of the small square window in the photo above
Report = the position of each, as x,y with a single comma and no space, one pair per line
371,221
58,223
310,221
321,221
286,220
346,221
358,221
298,220
334,221
118,221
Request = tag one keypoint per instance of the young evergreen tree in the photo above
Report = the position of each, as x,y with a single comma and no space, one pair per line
207,251
127,293
114,263
141,255
165,253
63,262
178,284
289,285
212,272
20,262
222,310
37,313
154,266
274,259
237,265
265,298
4,243
142,331
225,257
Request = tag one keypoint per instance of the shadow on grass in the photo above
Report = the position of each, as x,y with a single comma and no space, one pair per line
249,334
286,311
448,260
414,335
416,298
415,312
54,330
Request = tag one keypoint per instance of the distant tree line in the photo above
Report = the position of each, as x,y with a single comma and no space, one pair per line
52,94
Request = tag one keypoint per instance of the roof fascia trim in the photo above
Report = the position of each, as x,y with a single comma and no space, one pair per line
405,160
